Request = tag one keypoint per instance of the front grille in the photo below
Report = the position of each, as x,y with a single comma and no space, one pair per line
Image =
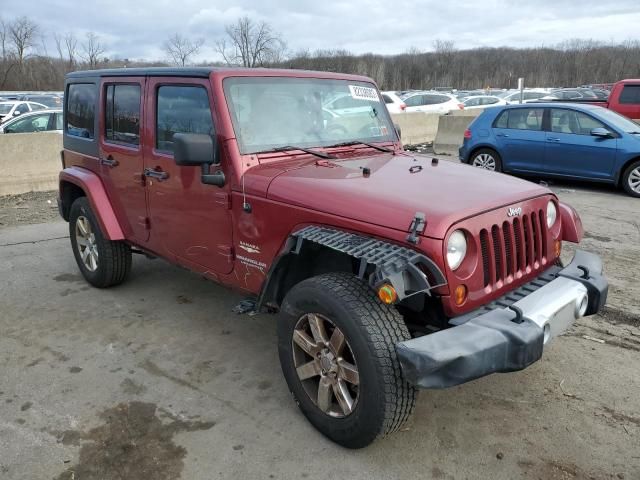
513,248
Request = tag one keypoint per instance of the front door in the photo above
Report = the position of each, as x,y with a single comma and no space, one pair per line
190,221
121,154
571,149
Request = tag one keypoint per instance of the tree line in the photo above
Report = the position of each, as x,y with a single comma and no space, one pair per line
25,63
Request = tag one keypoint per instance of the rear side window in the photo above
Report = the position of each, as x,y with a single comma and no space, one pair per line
181,109
413,101
630,94
122,114
521,119
81,110
434,99
387,98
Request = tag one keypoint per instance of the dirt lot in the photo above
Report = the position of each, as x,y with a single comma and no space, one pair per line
157,379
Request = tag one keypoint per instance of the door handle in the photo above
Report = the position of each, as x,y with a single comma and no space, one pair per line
157,174
553,139
502,134
109,162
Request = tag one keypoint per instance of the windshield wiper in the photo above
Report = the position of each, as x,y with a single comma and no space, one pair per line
358,142
306,150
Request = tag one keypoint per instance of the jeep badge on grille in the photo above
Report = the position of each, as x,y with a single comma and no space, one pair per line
514,212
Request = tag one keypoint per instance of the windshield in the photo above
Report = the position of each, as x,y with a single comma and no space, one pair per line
5,108
273,112
618,121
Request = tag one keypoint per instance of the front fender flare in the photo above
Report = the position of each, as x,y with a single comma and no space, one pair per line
572,229
95,192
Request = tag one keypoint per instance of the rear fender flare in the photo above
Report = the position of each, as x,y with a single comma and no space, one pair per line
95,192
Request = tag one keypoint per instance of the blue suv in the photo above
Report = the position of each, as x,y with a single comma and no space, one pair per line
578,141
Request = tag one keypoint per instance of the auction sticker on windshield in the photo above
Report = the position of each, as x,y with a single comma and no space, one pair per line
363,93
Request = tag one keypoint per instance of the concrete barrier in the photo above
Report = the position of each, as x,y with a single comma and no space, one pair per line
29,162
416,127
451,133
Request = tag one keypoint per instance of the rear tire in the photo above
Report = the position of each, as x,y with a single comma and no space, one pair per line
102,262
487,159
631,179
380,401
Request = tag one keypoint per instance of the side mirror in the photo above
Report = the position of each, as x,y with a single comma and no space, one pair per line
601,132
193,149
16,113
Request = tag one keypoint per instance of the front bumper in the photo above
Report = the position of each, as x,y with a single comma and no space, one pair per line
510,333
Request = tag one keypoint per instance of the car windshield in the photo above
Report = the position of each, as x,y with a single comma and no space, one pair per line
274,112
5,108
618,121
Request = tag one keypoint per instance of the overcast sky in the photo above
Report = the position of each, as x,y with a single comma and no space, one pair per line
136,29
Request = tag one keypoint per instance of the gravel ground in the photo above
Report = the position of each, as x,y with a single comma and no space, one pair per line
158,379
28,208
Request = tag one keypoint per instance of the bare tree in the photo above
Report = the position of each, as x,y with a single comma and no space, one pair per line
180,49
4,33
251,44
71,43
23,33
92,49
58,39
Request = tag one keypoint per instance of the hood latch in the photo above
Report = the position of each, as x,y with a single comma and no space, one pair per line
417,226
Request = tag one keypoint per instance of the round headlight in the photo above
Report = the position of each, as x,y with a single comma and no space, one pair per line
456,249
552,214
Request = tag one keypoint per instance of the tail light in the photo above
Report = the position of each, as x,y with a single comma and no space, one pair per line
403,106
467,134
461,106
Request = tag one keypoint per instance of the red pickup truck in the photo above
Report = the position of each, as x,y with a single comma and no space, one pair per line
624,99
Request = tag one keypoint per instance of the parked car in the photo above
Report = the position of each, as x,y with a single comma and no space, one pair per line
482,101
14,108
378,262
51,101
431,102
578,141
513,96
41,121
393,102
570,94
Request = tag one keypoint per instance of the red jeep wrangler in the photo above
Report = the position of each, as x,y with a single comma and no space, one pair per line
390,271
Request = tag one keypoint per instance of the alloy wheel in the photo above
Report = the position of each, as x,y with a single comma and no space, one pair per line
634,180
87,245
485,160
325,365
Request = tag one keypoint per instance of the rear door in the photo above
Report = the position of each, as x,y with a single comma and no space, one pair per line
571,149
190,221
120,152
520,138
629,102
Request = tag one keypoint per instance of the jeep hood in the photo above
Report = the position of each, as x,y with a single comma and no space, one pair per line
396,188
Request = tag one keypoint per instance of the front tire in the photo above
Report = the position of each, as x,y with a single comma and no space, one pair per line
487,159
102,262
336,343
631,179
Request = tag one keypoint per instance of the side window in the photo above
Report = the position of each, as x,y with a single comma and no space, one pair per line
630,94
503,120
35,107
387,99
81,110
570,121
413,101
472,102
31,123
59,121
122,112
181,109
434,99
521,119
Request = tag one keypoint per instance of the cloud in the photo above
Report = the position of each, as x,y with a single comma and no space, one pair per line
137,29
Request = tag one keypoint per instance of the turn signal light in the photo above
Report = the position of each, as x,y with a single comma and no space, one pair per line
387,294
557,248
460,294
